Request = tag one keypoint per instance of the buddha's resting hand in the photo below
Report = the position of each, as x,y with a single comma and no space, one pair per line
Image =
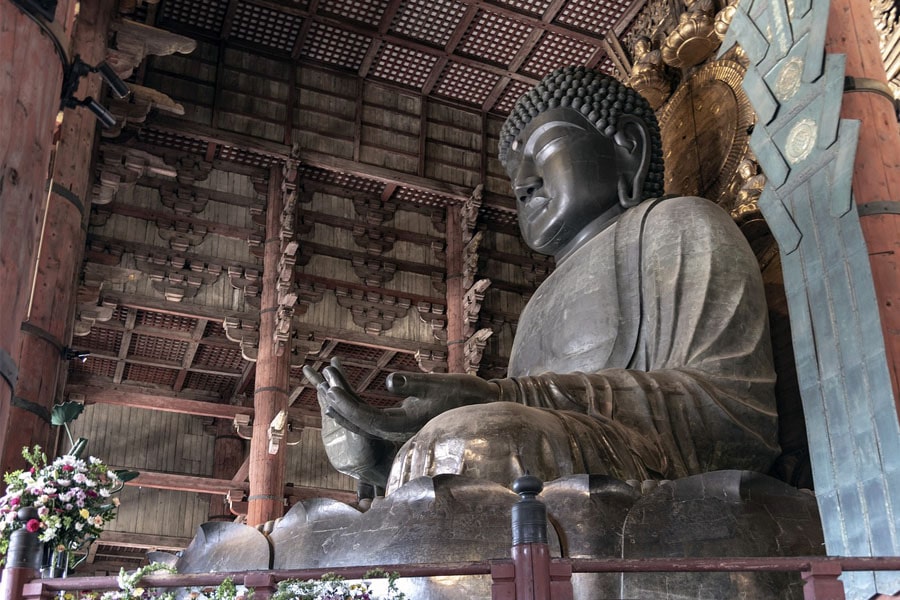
356,434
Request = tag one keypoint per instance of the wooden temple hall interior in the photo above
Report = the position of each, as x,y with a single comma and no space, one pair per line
362,136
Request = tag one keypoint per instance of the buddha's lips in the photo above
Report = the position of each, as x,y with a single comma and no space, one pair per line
535,206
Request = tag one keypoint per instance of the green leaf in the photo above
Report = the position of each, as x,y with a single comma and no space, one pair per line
65,412
125,475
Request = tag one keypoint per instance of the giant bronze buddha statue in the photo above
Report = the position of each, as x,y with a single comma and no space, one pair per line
644,355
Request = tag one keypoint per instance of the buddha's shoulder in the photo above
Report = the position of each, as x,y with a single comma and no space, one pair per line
688,213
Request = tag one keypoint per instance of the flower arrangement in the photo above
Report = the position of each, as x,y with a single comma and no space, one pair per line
73,498
330,587
334,587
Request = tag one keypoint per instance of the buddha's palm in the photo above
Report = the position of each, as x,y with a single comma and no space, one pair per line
361,440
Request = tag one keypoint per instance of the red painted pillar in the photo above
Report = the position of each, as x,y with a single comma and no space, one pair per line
266,499
456,327
48,325
30,82
876,172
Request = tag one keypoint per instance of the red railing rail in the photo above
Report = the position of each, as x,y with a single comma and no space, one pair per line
511,581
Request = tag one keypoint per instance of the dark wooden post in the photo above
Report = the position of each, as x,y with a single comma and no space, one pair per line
536,576
456,327
229,456
263,584
30,85
266,499
23,558
821,581
48,324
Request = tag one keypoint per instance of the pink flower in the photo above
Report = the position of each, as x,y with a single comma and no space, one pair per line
14,501
68,468
33,525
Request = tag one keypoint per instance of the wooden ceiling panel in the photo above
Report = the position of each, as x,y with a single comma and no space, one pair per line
555,50
93,365
204,15
404,66
101,340
161,320
147,374
219,358
367,12
511,93
429,21
466,84
493,37
147,346
217,384
593,16
265,26
534,7
333,46
403,361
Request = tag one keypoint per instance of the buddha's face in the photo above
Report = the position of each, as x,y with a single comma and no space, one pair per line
564,177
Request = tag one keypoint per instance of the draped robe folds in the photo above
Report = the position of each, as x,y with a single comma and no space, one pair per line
645,354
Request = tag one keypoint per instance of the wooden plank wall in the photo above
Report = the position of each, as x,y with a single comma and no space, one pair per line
157,441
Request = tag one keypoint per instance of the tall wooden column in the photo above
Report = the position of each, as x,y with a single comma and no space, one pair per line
48,325
266,499
456,326
876,171
30,82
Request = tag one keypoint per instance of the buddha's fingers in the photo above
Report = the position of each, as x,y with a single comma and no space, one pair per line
393,425
442,388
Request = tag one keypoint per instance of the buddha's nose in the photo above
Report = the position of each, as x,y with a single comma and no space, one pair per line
525,188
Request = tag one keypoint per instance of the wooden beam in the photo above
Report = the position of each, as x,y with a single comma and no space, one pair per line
147,214
315,159
210,485
194,311
189,353
124,346
150,399
143,541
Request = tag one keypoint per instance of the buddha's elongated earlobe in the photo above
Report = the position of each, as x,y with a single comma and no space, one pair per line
633,150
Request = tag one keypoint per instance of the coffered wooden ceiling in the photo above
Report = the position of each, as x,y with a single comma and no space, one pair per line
479,54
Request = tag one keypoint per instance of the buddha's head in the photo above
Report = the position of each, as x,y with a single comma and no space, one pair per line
580,148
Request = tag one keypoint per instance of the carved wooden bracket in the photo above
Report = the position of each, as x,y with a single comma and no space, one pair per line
434,315
468,213
308,294
136,107
374,210
246,280
431,361
174,277
285,285
189,168
245,333
303,349
373,272
473,349
134,41
372,311
119,167
183,201
470,260
180,234
438,219
88,313
472,300
374,241
536,271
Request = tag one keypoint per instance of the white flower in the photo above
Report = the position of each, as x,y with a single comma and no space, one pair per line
43,511
79,526
94,460
80,478
10,517
49,490
105,493
64,482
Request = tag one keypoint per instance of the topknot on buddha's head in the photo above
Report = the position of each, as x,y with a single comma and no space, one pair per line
600,98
